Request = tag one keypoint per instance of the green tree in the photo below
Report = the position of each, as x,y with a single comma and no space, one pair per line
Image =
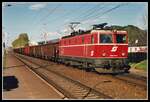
21,41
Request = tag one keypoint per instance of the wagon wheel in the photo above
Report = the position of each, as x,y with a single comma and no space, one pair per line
114,70
89,68
126,70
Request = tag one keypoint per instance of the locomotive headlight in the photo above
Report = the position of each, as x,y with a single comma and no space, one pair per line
123,54
103,54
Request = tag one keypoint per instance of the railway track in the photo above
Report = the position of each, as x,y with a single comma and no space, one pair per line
128,78
133,79
70,88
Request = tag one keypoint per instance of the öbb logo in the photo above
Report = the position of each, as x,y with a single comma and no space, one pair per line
114,48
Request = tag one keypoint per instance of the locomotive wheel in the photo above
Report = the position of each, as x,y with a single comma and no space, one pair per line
67,63
126,70
115,71
88,69
93,69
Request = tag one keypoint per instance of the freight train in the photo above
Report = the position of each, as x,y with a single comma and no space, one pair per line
100,47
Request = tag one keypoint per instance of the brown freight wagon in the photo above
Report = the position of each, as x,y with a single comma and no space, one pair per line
46,51
37,51
49,51
31,53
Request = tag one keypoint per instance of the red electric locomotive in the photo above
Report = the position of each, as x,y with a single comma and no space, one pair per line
97,48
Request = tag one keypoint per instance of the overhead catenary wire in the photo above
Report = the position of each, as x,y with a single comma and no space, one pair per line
69,13
64,15
97,8
91,14
100,14
86,12
50,13
82,15
109,10
105,12
46,16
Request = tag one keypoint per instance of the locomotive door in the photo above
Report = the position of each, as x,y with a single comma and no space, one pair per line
84,47
55,53
86,50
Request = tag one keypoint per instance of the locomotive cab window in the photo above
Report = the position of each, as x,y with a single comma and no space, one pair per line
106,38
120,38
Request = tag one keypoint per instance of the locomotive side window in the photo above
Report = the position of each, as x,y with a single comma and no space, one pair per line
106,38
120,38
92,39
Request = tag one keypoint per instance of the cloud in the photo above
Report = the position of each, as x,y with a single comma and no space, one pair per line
37,6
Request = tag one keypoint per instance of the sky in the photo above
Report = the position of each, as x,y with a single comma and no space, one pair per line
53,18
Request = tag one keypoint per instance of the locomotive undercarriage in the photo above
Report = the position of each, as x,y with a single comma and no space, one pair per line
105,65
113,65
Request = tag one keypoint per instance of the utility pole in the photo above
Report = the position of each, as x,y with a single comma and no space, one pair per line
3,33
45,36
45,33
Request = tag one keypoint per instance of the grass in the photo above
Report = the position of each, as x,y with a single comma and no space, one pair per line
141,65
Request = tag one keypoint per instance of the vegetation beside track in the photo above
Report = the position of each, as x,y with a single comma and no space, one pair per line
141,65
